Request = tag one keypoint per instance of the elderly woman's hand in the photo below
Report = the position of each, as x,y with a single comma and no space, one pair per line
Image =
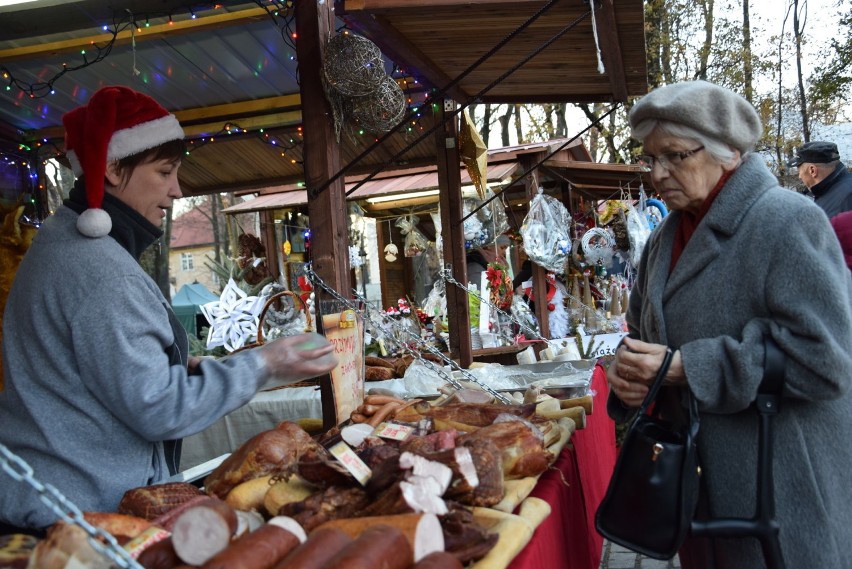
636,365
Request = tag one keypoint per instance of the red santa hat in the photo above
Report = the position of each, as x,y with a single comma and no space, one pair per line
116,123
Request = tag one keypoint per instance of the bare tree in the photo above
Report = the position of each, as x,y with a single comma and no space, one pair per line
748,88
798,30
706,47
504,124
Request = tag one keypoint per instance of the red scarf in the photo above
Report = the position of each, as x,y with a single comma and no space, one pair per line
689,222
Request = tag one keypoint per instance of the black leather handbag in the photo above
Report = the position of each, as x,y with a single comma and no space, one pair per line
653,492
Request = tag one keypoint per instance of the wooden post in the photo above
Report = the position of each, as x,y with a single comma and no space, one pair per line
450,199
327,206
538,273
270,241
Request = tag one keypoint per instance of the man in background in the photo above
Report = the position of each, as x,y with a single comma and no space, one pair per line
825,176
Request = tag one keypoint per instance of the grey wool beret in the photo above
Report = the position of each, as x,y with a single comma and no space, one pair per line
712,110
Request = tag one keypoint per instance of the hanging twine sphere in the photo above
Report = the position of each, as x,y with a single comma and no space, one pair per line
353,65
381,110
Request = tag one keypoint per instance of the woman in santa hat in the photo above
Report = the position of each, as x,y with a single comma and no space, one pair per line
99,384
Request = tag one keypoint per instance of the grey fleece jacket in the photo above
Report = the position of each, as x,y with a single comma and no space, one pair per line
90,393
764,261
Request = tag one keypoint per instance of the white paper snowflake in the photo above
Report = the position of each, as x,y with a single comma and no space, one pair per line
233,318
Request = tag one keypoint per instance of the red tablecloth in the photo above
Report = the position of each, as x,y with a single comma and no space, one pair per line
567,538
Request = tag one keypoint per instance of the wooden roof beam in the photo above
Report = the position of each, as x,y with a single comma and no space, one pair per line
252,114
611,49
159,31
374,5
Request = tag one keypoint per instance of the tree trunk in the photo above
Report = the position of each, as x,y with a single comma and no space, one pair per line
504,124
486,123
519,131
561,123
653,34
704,52
161,258
803,103
666,45
214,220
747,66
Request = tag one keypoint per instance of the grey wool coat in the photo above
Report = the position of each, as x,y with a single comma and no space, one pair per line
763,261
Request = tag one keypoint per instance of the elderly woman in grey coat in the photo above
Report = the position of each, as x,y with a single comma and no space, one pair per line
737,260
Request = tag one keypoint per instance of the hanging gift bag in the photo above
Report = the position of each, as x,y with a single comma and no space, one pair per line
546,232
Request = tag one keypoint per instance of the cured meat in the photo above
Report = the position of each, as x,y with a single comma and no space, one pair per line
464,538
380,546
203,531
462,416
322,545
318,467
150,502
15,550
522,450
423,531
329,504
438,560
262,548
271,452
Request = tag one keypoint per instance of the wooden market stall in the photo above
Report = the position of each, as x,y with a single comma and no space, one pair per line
245,80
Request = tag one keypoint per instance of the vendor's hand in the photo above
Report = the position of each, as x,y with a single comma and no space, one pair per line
193,365
295,358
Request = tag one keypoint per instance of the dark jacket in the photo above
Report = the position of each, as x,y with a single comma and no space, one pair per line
834,194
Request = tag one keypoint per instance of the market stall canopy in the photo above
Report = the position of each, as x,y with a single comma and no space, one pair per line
229,71
187,304
505,172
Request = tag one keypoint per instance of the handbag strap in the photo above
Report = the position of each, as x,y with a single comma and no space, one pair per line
658,382
769,391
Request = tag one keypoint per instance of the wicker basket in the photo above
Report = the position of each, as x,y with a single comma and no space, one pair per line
260,340
270,302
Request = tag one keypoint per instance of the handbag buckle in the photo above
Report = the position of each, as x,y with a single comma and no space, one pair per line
657,449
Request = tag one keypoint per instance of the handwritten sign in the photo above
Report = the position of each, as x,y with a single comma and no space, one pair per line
604,344
346,331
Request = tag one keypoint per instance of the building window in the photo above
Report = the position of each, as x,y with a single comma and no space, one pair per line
186,261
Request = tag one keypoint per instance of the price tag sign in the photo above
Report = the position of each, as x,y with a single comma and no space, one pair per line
394,431
347,457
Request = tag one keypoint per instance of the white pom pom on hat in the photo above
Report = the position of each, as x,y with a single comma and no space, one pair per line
117,122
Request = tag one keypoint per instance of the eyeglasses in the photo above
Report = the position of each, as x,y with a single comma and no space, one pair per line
668,160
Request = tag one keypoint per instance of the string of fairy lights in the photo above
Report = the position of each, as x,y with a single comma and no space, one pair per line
281,13
289,144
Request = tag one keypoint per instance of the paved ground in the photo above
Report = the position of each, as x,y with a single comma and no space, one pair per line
617,557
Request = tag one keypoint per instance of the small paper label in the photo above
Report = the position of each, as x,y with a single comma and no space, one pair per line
145,540
347,457
393,431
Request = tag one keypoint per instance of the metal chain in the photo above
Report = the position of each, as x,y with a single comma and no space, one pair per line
447,275
418,340
20,471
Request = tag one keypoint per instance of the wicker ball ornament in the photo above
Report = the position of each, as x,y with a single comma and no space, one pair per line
353,65
381,110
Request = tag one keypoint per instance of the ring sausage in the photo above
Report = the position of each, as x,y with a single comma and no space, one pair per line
203,531
438,560
262,548
322,545
378,546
